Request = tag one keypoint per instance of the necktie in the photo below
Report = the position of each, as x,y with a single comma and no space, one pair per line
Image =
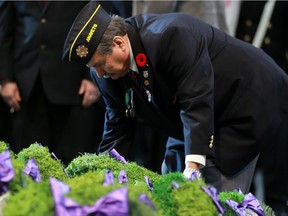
133,75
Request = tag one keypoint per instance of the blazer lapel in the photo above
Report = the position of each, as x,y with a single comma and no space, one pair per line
145,90
145,77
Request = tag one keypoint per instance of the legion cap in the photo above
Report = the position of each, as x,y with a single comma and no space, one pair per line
86,32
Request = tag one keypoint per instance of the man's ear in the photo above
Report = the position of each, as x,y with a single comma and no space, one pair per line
118,41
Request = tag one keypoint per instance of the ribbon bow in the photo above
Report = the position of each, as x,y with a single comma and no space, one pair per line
64,206
7,172
109,178
114,203
122,177
32,170
249,202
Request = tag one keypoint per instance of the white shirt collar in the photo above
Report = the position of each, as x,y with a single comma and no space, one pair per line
133,65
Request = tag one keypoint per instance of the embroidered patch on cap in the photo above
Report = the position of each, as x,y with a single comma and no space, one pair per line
82,51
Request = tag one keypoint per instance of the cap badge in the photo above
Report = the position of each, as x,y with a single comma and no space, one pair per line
82,51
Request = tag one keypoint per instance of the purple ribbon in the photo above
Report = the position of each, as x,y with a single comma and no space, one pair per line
212,192
114,203
239,210
7,172
122,177
149,183
32,170
193,176
175,185
116,155
249,202
64,206
239,191
54,156
145,199
109,178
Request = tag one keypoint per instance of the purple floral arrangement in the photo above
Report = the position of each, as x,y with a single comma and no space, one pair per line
123,189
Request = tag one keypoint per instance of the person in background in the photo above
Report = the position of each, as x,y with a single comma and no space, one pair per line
5,122
5,119
147,141
67,118
192,81
122,8
211,12
273,39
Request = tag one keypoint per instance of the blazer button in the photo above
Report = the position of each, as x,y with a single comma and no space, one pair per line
42,46
248,23
247,38
43,20
211,141
267,40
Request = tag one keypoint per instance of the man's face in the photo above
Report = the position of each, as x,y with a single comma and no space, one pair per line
114,65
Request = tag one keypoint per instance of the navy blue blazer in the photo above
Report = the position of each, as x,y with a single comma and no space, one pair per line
205,83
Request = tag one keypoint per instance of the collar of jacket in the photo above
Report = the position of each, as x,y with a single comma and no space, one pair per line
145,72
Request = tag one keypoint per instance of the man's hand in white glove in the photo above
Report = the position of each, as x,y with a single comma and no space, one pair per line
192,171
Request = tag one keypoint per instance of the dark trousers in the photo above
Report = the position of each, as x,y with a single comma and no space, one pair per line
241,179
67,130
174,162
274,163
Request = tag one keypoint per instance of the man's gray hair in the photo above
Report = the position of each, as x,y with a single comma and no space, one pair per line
117,27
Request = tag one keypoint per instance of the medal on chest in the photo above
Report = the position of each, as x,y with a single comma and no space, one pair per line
142,81
143,78
129,102
145,75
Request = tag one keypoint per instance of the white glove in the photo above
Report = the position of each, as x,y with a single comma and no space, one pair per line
192,173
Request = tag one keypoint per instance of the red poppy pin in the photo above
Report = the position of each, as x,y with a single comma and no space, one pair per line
141,59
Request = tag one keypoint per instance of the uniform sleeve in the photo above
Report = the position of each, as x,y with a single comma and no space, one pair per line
118,129
6,39
188,65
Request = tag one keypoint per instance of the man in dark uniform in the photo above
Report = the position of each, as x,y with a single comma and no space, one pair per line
275,44
219,99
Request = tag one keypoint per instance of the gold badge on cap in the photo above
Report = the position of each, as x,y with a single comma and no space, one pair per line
82,51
